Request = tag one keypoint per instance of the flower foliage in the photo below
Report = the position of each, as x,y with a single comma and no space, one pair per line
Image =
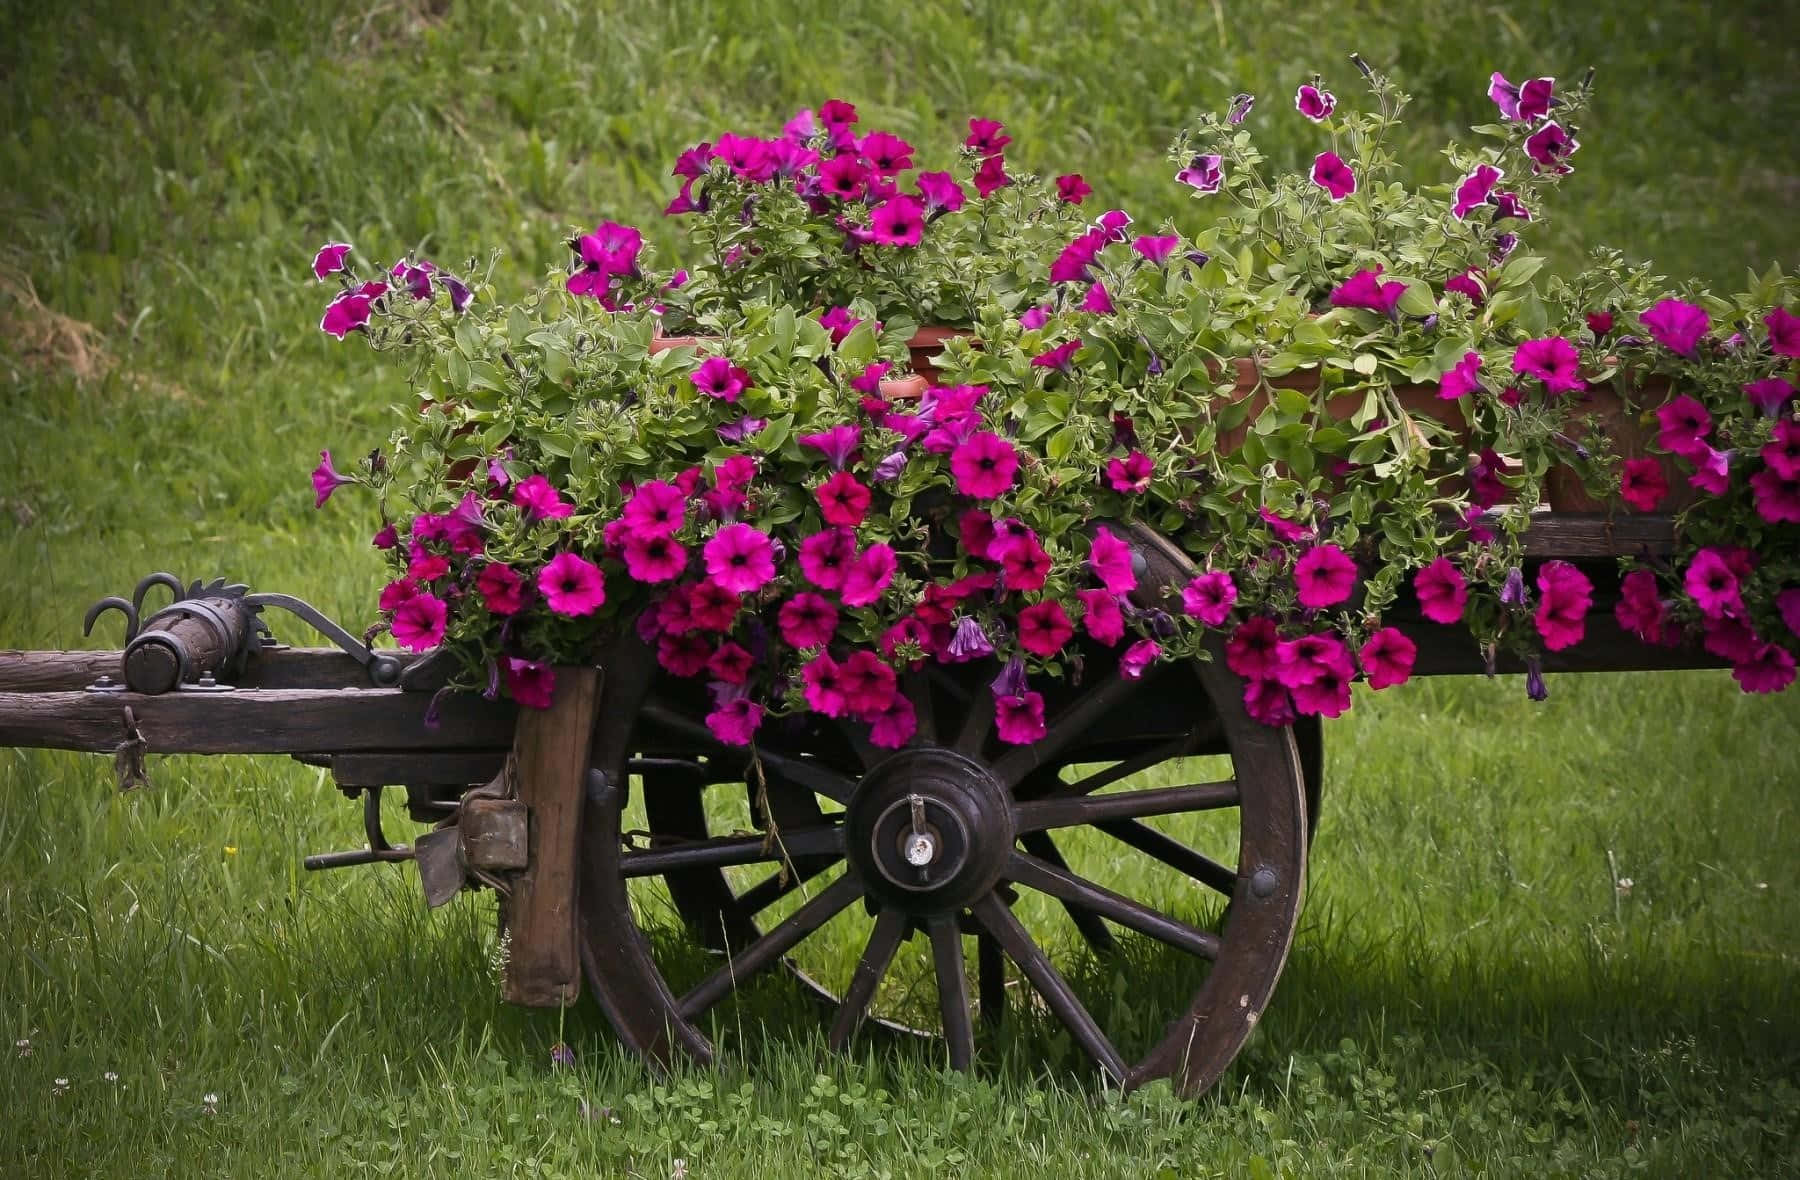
1340,394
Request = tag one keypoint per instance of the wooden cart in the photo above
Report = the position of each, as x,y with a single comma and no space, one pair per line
948,837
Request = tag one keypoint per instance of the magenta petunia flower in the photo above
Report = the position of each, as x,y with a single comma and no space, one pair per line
842,177
1770,670
330,259
502,590
1284,529
826,557
1252,650
1787,603
1204,174
541,501
1101,616
740,558
1043,629
1731,639
898,221
1442,591
869,684
530,683
1330,173
1387,658
975,531
807,620
984,466
657,508
895,725
684,655
1471,283
839,322
1550,146
1463,378
1508,205
653,557
1526,102
987,136
1712,584
743,428
1130,475
868,576
1315,103
326,480
736,721
1552,360
1777,496
1059,357
1113,224
1642,484
887,153
1024,565
1675,325
1682,423
414,277
836,444
419,622
990,177
718,377
426,566
1019,719
571,585
1564,595
940,192
1328,695
1111,561
1640,609
1156,249
1138,658
1366,289
1782,452
1097,301
386,538
1072,264
1072,188
1209,597
1473,190
843,500
1309,658
1712,469
1324,576
397,592
822,683
1784,332
351,310
1268,703
1770,395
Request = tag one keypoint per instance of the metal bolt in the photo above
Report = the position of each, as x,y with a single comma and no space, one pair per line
206,680
1263,881
920,850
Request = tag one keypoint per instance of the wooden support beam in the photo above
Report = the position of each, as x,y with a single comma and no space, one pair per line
292,667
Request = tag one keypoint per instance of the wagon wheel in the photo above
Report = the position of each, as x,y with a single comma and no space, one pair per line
960,834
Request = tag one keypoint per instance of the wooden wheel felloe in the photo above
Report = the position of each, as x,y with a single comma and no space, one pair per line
861,865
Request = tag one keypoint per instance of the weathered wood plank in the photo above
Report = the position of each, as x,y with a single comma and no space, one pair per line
255,721
543,964
400,768
1607,647
295,667
1578,535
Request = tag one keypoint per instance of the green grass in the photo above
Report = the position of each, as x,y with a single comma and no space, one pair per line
1472,991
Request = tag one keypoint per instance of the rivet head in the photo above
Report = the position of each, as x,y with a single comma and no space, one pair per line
1263,881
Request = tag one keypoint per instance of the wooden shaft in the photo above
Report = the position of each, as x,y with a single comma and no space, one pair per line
197,637
292,667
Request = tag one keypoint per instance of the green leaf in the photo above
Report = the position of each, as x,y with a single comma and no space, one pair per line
1519,269
1418,299
1062,442
782,328
1365,363
858,348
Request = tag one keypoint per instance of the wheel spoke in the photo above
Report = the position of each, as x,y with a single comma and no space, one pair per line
732,850
953,991
1039,814
771,946
811,775
1059,883
884,939
990,966
992,913
1172,853
1099,938
977,722
917,686
778,885
1015,764
1154,756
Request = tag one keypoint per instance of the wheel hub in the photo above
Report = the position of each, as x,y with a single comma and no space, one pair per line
929,830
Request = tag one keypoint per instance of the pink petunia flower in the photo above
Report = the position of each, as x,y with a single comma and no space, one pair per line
1308,658
1473,190
1043,629
823,685
1268,703
326,480
807,620
895,725
1777,496
1130,475
1096,301
1771,670
1642,484
1019,719
826,557
1324,576
1138,658
940,192
397,592
1111,561
1712,584
1366,289
1731,639
351,310
419,622
1101,616
736,721
869,575
990,177
1640,608
530,683
1784,332
571,585
1209,597
1564,595
987,137
1387,658
1506,205
1599,323
843,500
1471,283
1770,395
426,566
1315,103
1675,325
718,378
1787,604
502,590
740,558
1682,423
1155,250
541,501
898,221
1712,468
836,444
869,684
330,259
1059,357
1442,591
1326,696
653,557
1330,173
1552,360
1072,188
1253,649
984,466
1463,378
656,508
386,538
1024,564
1782,452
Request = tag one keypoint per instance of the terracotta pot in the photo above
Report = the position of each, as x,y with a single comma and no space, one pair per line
926,344
1630,436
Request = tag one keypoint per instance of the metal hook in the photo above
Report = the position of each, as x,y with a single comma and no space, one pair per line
112,602
176,591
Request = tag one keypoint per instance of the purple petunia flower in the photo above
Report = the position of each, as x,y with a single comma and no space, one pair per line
1474,190
1156,249
742,429
1366,289
1240,108
1204,174
1315,103
1526,102
326,480
330,259
835,444
1549,146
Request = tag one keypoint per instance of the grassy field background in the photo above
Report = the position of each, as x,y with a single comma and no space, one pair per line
1540,939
